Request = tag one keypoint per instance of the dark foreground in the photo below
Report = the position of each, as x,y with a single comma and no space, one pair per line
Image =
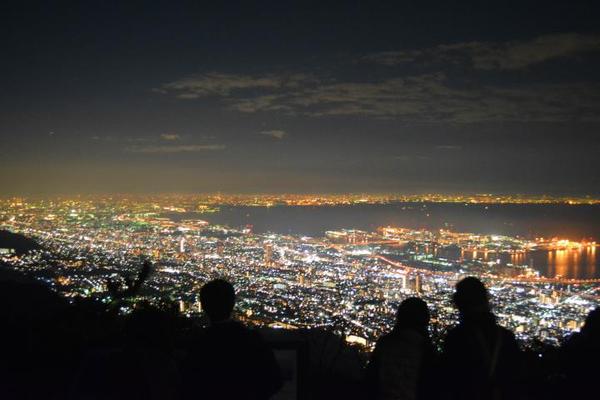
54,348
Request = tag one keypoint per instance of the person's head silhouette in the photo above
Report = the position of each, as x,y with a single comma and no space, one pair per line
413,314
217,298
471,296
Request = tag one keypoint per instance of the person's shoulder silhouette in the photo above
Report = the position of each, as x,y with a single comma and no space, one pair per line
480,357
579,357
227,359
401,358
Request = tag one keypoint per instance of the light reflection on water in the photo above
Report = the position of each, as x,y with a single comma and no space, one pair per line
576,263
572,263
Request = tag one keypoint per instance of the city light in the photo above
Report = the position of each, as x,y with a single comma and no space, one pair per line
349,280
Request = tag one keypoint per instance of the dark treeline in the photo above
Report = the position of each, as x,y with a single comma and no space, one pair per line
76,348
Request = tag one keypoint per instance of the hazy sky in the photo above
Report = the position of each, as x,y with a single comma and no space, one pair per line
123,96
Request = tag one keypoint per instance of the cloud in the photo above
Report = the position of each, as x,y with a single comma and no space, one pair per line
276,133
430,98
448,147
388,98
221,84
419,98
516,55
191,148
170,137
511,55
123,139
391,58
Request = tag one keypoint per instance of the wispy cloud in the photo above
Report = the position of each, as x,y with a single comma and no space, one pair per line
166,137
448,147
431,97
275,133
221,84
170,137
191,148
428,98
510,55
123,139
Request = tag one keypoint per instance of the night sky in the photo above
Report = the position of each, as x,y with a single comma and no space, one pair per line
354,96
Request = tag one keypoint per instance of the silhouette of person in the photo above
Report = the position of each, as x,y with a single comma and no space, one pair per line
481,358
579,357
228,360
402,357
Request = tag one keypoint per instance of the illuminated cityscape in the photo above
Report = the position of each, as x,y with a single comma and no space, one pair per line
349,280
299,200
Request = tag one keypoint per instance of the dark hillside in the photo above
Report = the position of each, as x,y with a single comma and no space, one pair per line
19,243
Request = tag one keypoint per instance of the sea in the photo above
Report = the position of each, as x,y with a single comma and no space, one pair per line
574,222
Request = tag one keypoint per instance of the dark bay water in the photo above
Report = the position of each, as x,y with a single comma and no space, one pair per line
530,221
